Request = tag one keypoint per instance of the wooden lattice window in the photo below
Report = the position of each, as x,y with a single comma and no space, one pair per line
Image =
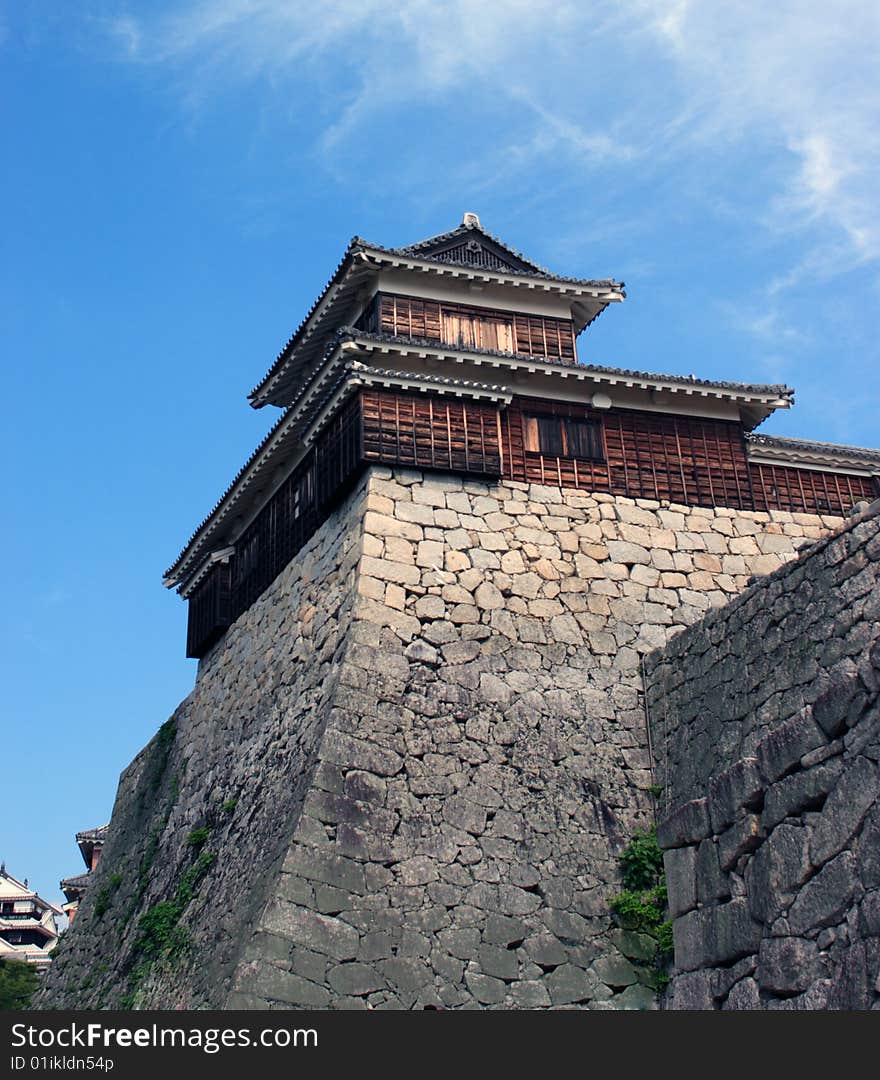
472,330
563,436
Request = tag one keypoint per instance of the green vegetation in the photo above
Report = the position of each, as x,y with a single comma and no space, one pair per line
641,906
229,806
105,896
197,838
160,937
18,984
161,752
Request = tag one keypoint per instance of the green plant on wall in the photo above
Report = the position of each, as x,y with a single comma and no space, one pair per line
18,984
641,906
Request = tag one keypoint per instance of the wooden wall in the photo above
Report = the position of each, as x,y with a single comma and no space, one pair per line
780,487
644,455
647,456
431,432
280,529
466,326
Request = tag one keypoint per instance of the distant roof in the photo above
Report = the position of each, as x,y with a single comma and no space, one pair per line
74,887
806,451
98,834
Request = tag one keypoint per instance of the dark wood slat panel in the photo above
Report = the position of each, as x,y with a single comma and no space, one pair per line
808,491
431,432
279,531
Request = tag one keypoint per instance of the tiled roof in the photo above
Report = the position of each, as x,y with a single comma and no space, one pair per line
100,833
391,374
541,275
466,231
785,442
78,881
778,390
420,252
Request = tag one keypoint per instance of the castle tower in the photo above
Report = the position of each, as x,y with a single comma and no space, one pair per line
418,731
28,930
91,844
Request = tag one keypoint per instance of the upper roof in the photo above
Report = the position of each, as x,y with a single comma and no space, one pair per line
89,839
467,251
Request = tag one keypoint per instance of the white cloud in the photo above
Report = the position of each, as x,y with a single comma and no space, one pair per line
652,82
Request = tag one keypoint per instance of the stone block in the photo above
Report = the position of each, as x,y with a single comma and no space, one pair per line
787,965
318,933
712,884
734,933
639,947
349,752
804,790
742,837
634,998
831,707
743,997
501,963
615,971
777,870
687,824
568,984
503,930
530,994
737,787
781,750
826,897
274,984
850,800
690,935
692,991
680,866
486,989
355,979
406,974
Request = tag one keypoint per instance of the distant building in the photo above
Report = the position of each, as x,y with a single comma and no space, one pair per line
91,844
28,930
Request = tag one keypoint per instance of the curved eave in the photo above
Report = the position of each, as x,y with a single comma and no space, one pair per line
823,457
758,398
284,441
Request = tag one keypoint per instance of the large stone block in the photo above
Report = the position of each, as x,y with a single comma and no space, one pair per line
825,898
831,707
687,824
777,870
781,750
803,790
787,965
732,790
855,793
680,866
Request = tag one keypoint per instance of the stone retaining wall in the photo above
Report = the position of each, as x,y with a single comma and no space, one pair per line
486,760
767,728
430,738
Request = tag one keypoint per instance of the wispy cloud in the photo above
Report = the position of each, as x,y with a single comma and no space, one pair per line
647,84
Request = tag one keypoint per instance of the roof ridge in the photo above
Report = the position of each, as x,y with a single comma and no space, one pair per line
464,229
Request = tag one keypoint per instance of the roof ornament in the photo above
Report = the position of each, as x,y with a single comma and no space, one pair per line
472,221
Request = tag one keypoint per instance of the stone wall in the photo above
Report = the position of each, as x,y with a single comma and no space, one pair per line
417,758
486,759
766,723
235,759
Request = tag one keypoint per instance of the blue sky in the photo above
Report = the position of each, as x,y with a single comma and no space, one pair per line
180,180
